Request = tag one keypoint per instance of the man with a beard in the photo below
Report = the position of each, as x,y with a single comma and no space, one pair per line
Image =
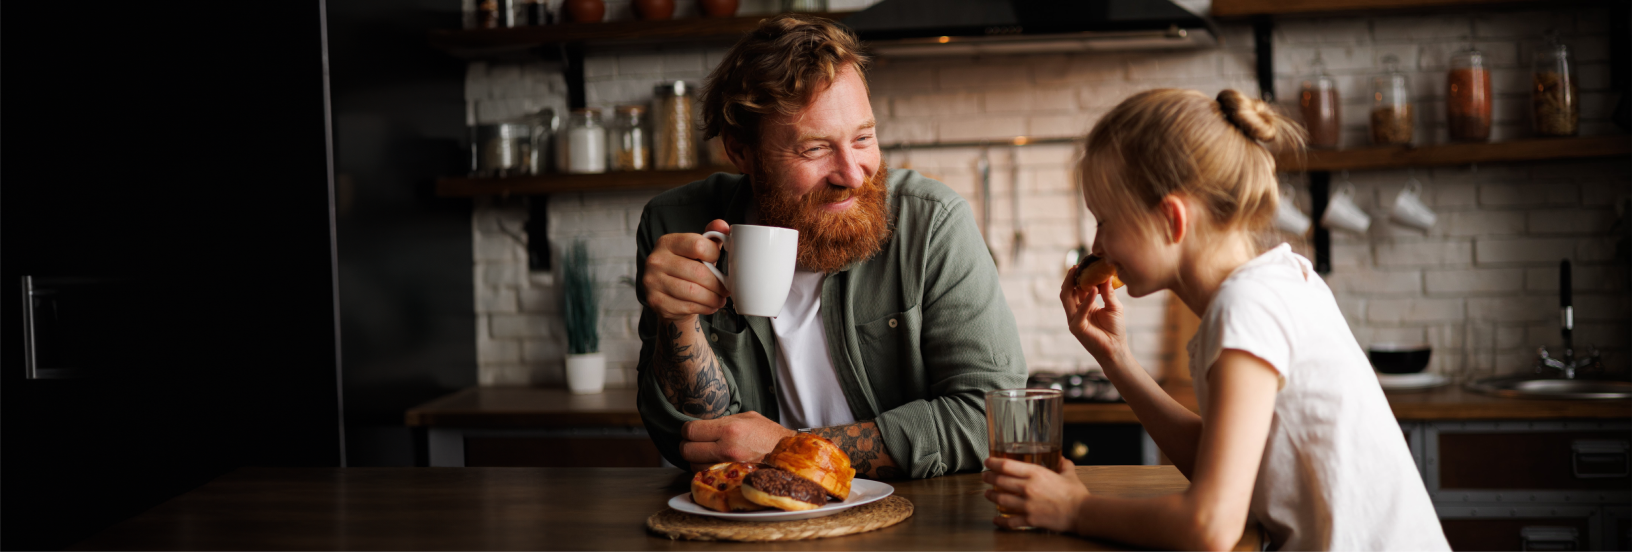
895,327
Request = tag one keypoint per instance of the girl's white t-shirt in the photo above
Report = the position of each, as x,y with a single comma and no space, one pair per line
1336,472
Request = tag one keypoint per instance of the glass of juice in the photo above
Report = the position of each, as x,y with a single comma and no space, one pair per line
1025,425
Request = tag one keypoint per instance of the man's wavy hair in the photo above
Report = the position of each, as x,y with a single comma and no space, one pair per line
776,69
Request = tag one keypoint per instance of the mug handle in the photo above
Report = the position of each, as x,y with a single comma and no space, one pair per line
718,238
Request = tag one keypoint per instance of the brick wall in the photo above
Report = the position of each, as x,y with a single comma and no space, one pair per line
1480,286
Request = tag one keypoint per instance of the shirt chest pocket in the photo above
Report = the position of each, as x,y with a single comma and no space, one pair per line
889,354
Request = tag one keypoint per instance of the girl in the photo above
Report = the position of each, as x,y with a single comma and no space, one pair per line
1294,430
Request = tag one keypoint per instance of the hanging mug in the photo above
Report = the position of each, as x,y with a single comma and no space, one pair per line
1287,216
1409,209
1343,214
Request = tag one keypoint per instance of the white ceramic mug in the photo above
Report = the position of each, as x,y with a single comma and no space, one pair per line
761,264
1343,214
1287,217
1409,209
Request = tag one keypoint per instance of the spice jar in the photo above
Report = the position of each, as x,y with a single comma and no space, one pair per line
1556,108
1322,114
1467,97
628,139
583,150
674,130
1391,117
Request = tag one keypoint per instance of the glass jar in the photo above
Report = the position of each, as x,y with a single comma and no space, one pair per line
1322,110
1555,106
1467,97
628,139
545,125
1391,114
583,145
804,5
674,130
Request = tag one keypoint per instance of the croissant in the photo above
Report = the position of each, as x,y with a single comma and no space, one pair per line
817,459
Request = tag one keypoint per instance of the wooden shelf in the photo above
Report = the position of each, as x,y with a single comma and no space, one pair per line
518,38
557,183
1458,154
1239,8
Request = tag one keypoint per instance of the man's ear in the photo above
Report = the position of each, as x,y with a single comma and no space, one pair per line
1175,217
741,155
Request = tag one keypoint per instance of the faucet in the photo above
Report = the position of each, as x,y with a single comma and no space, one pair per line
1568,365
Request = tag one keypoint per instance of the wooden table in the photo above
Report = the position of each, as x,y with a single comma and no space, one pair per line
550,509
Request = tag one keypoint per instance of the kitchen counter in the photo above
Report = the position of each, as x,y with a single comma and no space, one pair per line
552,509
539,407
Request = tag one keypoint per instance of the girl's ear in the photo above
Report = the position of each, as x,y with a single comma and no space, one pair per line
1175,217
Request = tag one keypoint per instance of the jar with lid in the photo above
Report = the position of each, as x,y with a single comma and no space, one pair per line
1553,100
1322,110
583,145
628,139
1467,97
1391,114
674,132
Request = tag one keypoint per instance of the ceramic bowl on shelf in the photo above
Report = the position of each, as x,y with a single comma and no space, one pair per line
1399,358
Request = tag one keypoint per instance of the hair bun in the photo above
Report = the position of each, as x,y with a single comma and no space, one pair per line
1253,116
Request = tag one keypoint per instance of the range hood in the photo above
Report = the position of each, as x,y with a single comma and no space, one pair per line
908,28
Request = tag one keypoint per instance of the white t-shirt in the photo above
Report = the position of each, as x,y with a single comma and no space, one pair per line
807,389
1336,472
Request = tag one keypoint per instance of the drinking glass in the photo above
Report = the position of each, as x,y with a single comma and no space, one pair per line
1025,425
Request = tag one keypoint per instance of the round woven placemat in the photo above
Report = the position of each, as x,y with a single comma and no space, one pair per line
867,517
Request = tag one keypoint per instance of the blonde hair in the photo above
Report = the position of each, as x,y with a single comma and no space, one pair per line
1168,141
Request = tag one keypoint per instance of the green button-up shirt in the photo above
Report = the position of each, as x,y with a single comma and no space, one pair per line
917,334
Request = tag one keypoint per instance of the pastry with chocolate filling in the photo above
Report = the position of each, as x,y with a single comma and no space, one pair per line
781,489
1095,270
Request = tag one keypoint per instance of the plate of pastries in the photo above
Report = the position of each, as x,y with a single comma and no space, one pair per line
805,476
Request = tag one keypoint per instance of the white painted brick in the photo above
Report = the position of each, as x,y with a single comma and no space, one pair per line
1529,194
1350,256
982,128
1612,308
1421,28
1582,278
1523,25
1594,76
1088,67
1424,253
1595,249
1475,281
1410,334
498,350
489,299
1329,30
898,78
1513,309
684,62
1571,221
936,105
1414,310
984,75
521,325
600,66
1483,223
1065,125
910,131
631,63
1344,58
1187,65
537,300
1523,250
1372,282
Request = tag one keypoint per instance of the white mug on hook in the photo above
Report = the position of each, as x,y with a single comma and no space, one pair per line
1343,214
761,263
1409,209
1287,216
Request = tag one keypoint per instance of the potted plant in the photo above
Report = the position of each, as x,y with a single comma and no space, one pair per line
581,311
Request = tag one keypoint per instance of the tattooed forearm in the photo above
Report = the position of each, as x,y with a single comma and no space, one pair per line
865,446
689,373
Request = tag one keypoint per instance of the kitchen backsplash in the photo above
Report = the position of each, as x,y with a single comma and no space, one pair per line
1480,286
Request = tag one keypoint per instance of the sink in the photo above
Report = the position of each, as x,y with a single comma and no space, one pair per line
1530,387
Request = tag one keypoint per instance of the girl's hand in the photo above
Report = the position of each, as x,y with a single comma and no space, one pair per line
1099,328
1034,496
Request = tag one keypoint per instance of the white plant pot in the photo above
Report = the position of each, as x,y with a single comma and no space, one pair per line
586,373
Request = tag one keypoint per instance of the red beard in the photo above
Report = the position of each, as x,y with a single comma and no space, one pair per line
829,242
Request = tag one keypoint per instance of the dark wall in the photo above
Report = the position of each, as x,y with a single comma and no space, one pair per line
406,292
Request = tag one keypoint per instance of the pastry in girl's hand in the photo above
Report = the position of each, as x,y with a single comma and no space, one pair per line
718,488
783,490
1095,270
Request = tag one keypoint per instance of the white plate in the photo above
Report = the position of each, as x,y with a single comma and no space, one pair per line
1400,382
862,491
